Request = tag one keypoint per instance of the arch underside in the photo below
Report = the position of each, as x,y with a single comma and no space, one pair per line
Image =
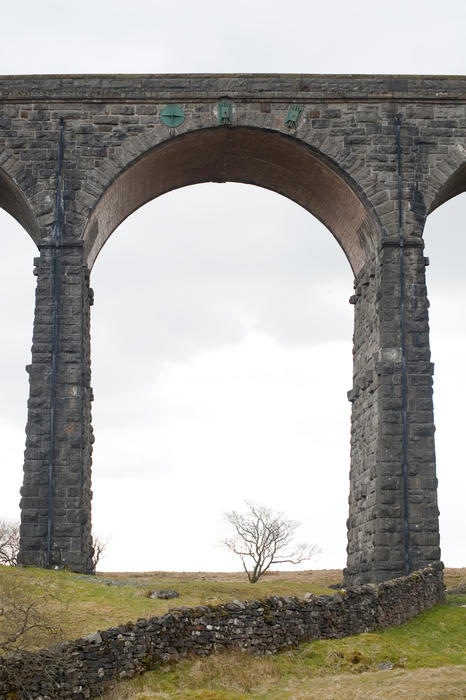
14,202
251,156
456,184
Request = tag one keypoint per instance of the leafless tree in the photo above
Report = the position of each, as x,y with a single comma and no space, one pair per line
9,541
262,537
100,545
27,618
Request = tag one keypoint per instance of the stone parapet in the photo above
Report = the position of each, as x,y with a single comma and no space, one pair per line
304,87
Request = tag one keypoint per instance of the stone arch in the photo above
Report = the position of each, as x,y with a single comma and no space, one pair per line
455,184
15,203
341,164
261,157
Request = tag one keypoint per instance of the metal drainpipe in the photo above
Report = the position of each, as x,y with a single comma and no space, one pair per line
57,240
404,379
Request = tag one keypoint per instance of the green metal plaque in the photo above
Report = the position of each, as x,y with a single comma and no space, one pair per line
294,112
225,112
172,115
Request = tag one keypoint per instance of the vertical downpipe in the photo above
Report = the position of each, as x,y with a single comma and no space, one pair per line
57,240
404,379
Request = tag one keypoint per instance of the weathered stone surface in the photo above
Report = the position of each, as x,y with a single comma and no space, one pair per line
340,162
164,594
84,668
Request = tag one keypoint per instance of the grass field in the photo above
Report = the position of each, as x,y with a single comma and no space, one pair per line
424,658
80,605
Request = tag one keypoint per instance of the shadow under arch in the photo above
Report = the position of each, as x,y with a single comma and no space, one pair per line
13,201
247,155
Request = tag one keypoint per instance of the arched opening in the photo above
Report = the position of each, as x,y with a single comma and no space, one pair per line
17,285
247,155
287,167
14,202
455,185
221,359
446,248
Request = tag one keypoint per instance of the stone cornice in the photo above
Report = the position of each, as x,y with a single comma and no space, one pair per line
303,88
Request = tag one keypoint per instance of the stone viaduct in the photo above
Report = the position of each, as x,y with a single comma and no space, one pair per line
370,156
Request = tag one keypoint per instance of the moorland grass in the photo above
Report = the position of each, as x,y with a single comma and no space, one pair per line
85,604
426,655
424,658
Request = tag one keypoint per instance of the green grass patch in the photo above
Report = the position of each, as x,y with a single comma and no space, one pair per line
86,603
426,654
433,640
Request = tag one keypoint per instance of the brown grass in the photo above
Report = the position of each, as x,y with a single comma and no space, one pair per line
453,577
318,577
266,683
443,682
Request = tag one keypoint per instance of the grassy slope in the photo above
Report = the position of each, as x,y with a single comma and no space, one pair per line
427,653
85,603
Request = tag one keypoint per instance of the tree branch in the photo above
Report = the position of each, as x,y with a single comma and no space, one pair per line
265,537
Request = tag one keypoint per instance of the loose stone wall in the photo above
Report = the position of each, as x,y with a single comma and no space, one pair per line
84,668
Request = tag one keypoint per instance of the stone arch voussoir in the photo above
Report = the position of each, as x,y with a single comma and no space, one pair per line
14,201
249,155
448,180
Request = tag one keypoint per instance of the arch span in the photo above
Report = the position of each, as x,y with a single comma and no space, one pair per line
251,156
15,203
342,163
455,185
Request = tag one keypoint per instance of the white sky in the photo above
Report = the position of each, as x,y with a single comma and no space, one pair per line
221,328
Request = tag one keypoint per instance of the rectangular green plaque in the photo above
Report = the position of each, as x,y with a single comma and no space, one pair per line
225,112
293,115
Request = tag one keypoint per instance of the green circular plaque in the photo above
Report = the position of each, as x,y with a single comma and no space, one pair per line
172,115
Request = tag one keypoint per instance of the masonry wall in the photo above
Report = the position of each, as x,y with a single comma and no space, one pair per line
339,161
393,513
84,668
364,397
56,491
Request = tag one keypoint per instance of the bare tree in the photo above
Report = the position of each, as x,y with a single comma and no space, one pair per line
100,545
28,616
262,537
9,542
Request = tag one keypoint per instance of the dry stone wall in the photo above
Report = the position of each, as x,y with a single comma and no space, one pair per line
84,668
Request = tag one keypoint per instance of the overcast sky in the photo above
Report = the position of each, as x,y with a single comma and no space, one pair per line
221,328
